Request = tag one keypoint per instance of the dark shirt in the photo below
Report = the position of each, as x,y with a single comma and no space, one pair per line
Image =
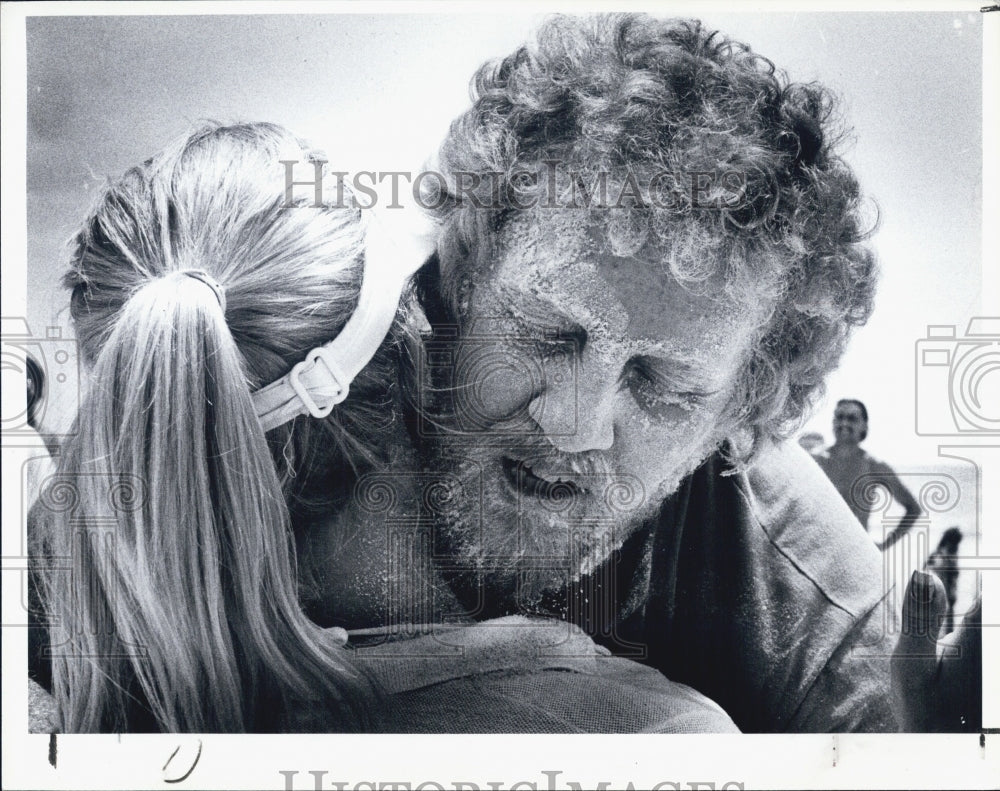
761,591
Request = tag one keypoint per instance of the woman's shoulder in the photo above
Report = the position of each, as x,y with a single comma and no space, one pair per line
530,675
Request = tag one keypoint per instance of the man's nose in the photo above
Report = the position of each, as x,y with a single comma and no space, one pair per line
576,408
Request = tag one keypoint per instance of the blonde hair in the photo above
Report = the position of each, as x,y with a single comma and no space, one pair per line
191,621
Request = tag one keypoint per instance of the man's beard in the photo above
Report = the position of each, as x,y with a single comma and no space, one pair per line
529,520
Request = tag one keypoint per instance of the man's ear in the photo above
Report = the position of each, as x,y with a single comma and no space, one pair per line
427,282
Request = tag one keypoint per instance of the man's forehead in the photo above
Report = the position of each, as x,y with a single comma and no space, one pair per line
559,258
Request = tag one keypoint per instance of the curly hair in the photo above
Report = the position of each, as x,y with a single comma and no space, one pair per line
630,98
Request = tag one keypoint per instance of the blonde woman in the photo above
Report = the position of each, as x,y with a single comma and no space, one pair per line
196,292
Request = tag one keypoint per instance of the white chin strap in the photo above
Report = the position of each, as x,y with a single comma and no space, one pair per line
322,380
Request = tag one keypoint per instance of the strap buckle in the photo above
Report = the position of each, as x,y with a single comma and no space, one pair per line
335,375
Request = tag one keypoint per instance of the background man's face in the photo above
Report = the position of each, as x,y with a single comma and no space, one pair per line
586,386
849,426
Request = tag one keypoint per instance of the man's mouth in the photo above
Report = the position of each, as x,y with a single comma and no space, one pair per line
537,479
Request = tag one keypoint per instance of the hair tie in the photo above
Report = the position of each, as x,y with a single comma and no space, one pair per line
211,282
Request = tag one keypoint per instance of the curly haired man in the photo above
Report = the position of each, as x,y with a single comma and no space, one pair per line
652,255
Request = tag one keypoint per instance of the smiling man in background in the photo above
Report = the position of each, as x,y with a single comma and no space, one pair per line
854,472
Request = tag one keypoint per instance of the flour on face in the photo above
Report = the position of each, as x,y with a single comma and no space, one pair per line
598,383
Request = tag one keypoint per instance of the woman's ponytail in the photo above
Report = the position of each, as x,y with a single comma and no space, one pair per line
180,612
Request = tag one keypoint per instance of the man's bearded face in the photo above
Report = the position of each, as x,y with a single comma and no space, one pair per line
583,388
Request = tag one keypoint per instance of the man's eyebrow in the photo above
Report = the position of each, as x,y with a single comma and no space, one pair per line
679,372
529,305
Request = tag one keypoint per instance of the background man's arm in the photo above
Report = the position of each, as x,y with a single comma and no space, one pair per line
903,496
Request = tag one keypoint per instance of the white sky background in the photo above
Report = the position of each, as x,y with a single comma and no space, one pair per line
378,92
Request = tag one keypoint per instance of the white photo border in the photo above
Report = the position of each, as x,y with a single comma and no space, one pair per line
257,761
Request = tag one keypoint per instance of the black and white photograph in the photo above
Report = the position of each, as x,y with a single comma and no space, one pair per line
499,396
